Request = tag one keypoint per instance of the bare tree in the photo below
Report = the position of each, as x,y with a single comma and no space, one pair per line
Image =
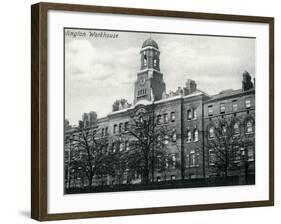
90,148
224,142
117,160
147,136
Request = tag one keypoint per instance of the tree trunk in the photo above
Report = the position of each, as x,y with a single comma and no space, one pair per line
246,172
146,176
90,179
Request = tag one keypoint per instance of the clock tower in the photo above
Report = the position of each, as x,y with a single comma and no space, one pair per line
150,85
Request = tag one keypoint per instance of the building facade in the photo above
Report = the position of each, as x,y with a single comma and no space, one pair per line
190,118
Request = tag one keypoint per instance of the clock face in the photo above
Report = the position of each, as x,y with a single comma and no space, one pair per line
142,80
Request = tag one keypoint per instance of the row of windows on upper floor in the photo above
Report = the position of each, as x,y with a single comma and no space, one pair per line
160,140
249,129
194,135
119,128
191,115
191,135
125,145
160,119
248,105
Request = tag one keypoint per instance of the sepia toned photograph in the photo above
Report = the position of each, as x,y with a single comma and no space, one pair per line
151,111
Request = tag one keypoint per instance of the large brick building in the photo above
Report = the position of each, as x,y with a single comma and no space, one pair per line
190,117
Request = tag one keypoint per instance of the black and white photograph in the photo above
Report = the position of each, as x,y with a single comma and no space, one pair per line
151,111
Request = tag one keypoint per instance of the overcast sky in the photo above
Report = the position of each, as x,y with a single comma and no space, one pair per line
100,70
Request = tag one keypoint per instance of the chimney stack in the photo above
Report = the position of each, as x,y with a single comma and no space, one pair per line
190,87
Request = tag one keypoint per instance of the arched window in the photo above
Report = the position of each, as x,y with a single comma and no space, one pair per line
141,119
127,146
144,58
223,129
192,158
173,116
159,119
166,139
173,161
115,129
166,118
195,135
211,132
121,147
106,131
154,62
120,127
126,125
174,136
194,113
113,147
189,115
236,129
189,137
249,126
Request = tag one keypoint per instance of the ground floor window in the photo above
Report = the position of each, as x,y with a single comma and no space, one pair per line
212,157
250,152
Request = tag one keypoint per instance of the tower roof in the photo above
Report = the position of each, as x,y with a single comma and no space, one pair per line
150,43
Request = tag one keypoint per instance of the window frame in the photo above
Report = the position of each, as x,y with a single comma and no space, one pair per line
195,135
189,114
115,128
165,118
211,136
189,136
234,108
212,157
173,116
210,110
248,103
222,108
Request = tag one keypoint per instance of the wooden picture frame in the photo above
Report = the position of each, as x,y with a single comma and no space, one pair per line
39,110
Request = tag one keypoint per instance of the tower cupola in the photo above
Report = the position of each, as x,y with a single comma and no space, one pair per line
149,85
150,55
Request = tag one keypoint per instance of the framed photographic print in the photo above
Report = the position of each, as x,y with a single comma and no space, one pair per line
139,111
